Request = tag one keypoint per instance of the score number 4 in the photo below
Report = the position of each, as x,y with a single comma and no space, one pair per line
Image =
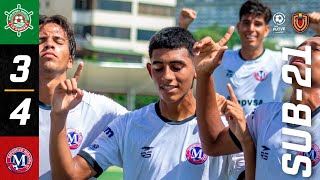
25,105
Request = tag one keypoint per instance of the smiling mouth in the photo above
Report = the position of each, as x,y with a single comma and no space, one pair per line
297,60
250,37
167,88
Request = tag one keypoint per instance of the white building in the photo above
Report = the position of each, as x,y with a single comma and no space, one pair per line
53,7
120,29
115,30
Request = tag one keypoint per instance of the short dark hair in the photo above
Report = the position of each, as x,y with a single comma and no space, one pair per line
172,38
63,22
256,8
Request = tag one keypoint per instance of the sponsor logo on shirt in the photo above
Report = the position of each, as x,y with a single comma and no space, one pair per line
94,146
265,152
74,138
260,75
229,73
195,154
146,152
19,160
108,132
313,154
249,102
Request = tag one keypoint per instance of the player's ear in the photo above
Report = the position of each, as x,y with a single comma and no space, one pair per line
148,65
238,24
266,31
70,61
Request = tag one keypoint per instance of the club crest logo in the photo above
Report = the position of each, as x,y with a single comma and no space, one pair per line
260,75
18,20
313,155
74,138
279,18
195,154
19,160
300,22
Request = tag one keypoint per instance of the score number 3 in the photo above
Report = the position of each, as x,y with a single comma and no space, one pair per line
25,105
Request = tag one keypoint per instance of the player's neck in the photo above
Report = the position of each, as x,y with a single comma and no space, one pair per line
310,97
47,84
248,54
180,110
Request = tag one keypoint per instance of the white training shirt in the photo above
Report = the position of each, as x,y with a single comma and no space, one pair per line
265,125
149,146
84,124
254,81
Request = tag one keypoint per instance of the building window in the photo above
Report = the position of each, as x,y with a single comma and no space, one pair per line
113,32
82,5
145,35
114,5
150,9
81,30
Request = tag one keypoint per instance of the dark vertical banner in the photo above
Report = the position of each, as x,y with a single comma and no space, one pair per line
19,121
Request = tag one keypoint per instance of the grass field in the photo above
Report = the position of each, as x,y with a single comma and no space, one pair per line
113,173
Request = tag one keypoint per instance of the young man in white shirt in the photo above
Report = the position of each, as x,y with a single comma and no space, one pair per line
268,123
85,121
159,141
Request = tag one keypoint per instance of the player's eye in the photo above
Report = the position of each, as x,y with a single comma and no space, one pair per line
176,67
41,39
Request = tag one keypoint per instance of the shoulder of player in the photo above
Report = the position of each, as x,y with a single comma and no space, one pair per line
135,117
98,101
273,55
230,53
265,112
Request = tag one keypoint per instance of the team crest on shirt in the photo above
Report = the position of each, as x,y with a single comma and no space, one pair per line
19,160
313,154
195,154
260,75
74,138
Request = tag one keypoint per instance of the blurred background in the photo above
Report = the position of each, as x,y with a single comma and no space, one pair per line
112,39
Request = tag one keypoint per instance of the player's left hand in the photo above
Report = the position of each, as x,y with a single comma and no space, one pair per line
186,17
208,54
235,116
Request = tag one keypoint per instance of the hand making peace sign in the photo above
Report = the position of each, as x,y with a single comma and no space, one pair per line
208,54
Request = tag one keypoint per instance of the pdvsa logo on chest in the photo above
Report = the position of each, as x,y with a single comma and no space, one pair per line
74,138
195,154
19,160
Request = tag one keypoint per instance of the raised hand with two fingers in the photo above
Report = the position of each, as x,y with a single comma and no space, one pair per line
208,54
